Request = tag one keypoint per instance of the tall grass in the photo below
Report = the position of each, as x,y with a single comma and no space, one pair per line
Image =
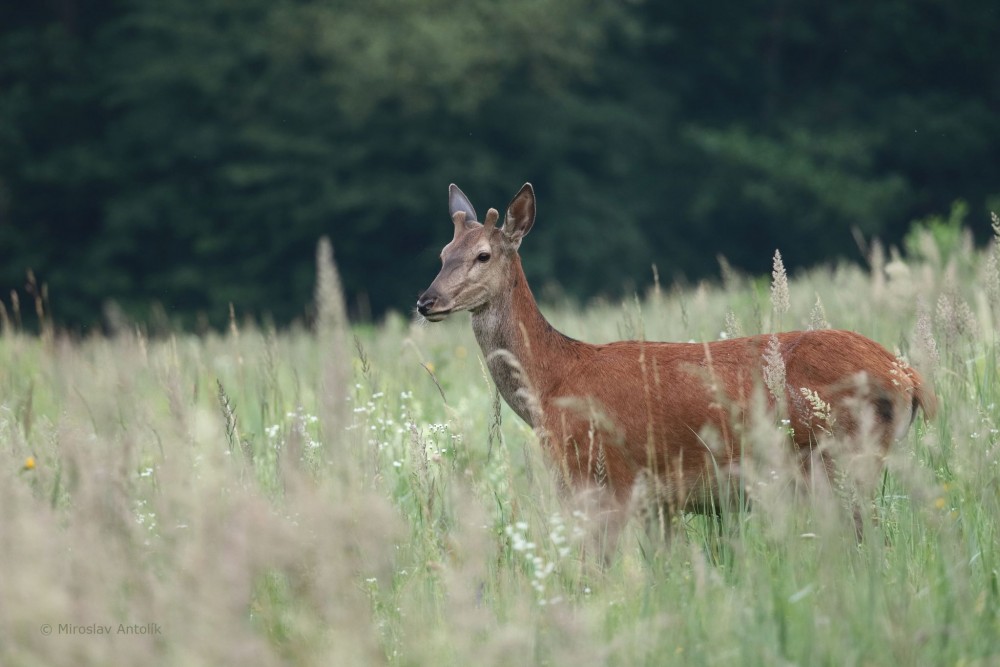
300,497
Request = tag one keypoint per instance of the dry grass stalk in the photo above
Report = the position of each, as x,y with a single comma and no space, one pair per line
780,298
817,316
331,330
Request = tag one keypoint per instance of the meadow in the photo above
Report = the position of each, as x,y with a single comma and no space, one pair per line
338,495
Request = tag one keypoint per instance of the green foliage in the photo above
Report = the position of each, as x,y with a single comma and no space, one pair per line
189,154
937,235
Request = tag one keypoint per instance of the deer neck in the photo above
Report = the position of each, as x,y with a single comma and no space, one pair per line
523,352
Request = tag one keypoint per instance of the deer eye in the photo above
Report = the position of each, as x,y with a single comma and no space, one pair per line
483,257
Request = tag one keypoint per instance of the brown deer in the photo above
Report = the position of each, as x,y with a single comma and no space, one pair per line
609,415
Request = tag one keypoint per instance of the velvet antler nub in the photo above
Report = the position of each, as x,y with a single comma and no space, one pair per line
491,220
459,219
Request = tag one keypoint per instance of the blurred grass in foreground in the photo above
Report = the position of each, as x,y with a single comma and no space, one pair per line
298,498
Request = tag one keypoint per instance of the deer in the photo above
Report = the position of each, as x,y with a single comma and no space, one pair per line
621,416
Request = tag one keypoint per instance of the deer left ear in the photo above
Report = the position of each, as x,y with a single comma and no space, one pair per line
457,201
520,215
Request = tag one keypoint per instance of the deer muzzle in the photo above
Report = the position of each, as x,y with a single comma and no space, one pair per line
428,306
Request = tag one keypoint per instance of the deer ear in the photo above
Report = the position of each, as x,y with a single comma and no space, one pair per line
520,215
457,201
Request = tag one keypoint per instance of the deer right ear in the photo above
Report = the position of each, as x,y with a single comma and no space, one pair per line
520,215
457,201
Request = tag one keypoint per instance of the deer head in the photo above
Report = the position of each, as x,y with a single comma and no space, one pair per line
476,263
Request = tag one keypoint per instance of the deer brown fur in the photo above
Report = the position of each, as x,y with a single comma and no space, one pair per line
608,414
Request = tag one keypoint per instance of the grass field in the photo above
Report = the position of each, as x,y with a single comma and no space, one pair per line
349,497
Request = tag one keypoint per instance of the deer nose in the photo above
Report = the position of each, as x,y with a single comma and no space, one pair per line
425,302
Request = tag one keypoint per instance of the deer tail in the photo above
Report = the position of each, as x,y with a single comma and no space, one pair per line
923,396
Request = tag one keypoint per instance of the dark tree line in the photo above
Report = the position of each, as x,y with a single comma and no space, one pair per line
189,153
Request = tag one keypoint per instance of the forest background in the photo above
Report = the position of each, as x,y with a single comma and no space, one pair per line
160,161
